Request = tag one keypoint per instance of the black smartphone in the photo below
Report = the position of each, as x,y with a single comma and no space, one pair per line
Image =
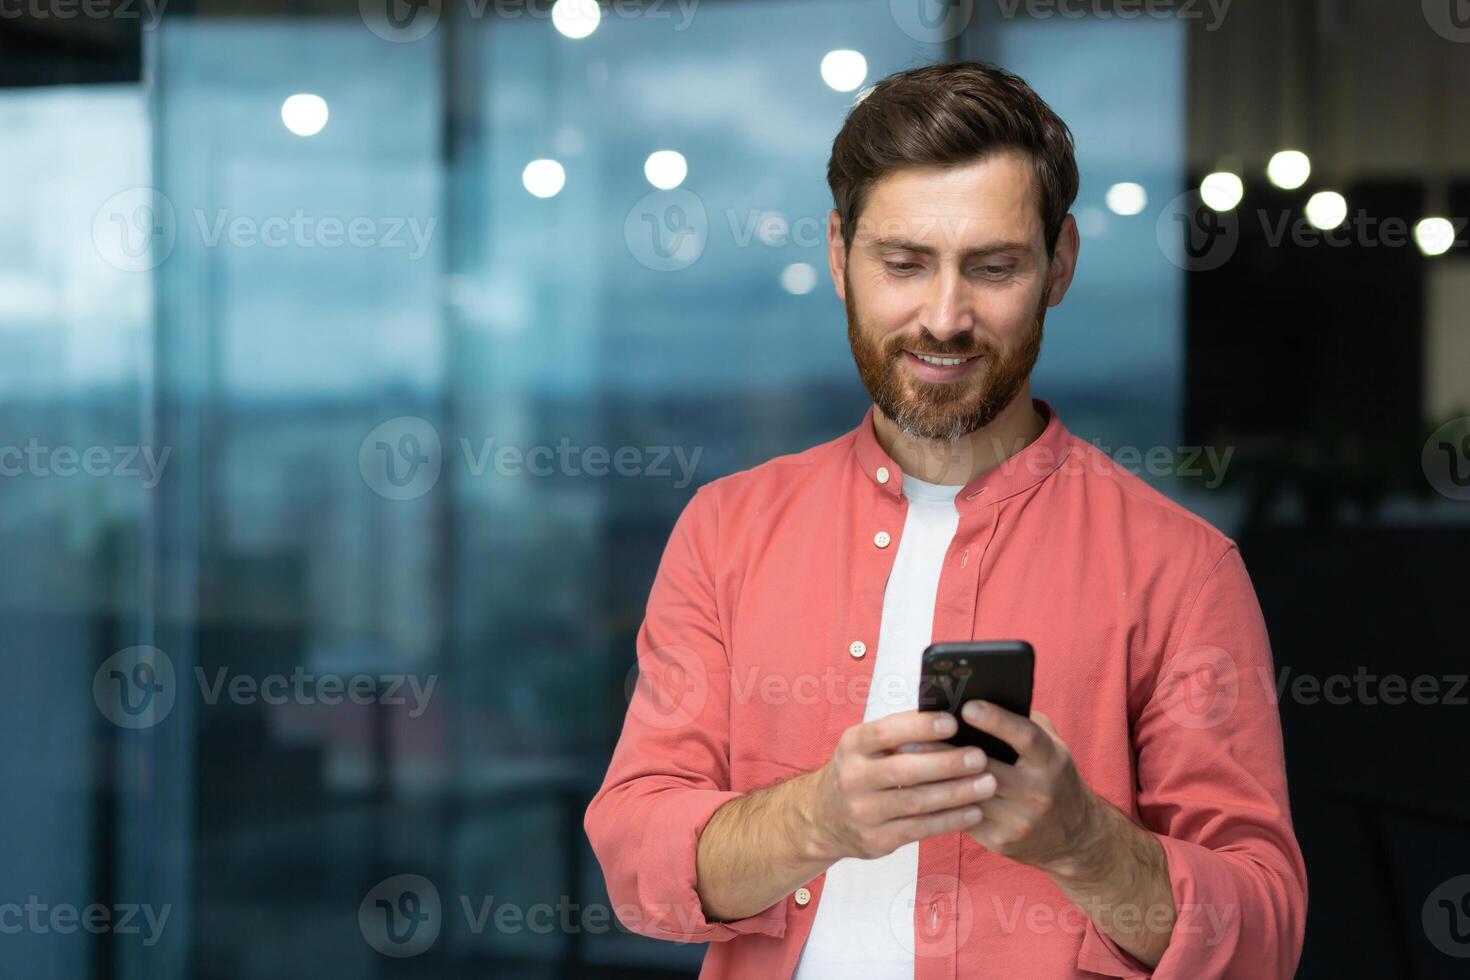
998,671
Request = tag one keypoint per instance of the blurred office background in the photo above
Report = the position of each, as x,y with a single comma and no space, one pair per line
375,347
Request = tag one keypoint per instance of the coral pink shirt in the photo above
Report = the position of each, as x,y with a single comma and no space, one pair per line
1151,658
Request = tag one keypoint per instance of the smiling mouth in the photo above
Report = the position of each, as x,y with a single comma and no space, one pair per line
938,361
937,369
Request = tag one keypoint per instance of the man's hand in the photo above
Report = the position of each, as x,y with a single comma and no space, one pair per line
1042,813
759,846
892,781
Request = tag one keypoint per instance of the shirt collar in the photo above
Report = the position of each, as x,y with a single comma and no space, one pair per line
1018,472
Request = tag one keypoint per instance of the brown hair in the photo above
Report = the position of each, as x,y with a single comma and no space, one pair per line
946,115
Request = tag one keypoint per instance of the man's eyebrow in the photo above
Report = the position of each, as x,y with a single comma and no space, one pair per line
887,244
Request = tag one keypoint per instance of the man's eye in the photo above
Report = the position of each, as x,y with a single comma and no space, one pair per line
995,270
902,266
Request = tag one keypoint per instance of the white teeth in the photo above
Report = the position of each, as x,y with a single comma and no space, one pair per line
942,361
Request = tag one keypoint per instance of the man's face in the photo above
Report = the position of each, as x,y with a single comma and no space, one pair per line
950,263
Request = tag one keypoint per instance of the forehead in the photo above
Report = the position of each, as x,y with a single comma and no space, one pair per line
987,198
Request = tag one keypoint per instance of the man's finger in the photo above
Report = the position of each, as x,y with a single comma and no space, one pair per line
1046,723
924,747
1028,738
891,731
1002,824
914,768
1010,782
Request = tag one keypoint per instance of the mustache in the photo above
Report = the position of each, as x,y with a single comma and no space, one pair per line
941,350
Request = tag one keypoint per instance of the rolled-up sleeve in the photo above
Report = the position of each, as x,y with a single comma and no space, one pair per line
670,770
1212,790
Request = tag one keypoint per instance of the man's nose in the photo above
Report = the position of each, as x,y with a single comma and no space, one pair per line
949,310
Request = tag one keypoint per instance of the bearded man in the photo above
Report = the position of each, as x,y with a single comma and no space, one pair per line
777,793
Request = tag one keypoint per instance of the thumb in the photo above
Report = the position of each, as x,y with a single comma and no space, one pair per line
1046,724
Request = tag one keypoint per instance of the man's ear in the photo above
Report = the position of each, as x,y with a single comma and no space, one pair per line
1063,261
836,254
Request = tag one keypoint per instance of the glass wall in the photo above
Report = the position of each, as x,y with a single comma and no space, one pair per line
78,472
427,433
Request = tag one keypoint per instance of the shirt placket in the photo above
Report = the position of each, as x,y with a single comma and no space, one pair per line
875,529
944,908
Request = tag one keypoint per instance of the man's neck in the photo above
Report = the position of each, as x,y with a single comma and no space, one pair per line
960,461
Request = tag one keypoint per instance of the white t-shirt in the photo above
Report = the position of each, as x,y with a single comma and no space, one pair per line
864,925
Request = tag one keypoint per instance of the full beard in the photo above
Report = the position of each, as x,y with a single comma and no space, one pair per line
942,410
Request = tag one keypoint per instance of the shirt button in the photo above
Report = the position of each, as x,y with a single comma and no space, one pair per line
803,896
857,648
881,539
882,474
